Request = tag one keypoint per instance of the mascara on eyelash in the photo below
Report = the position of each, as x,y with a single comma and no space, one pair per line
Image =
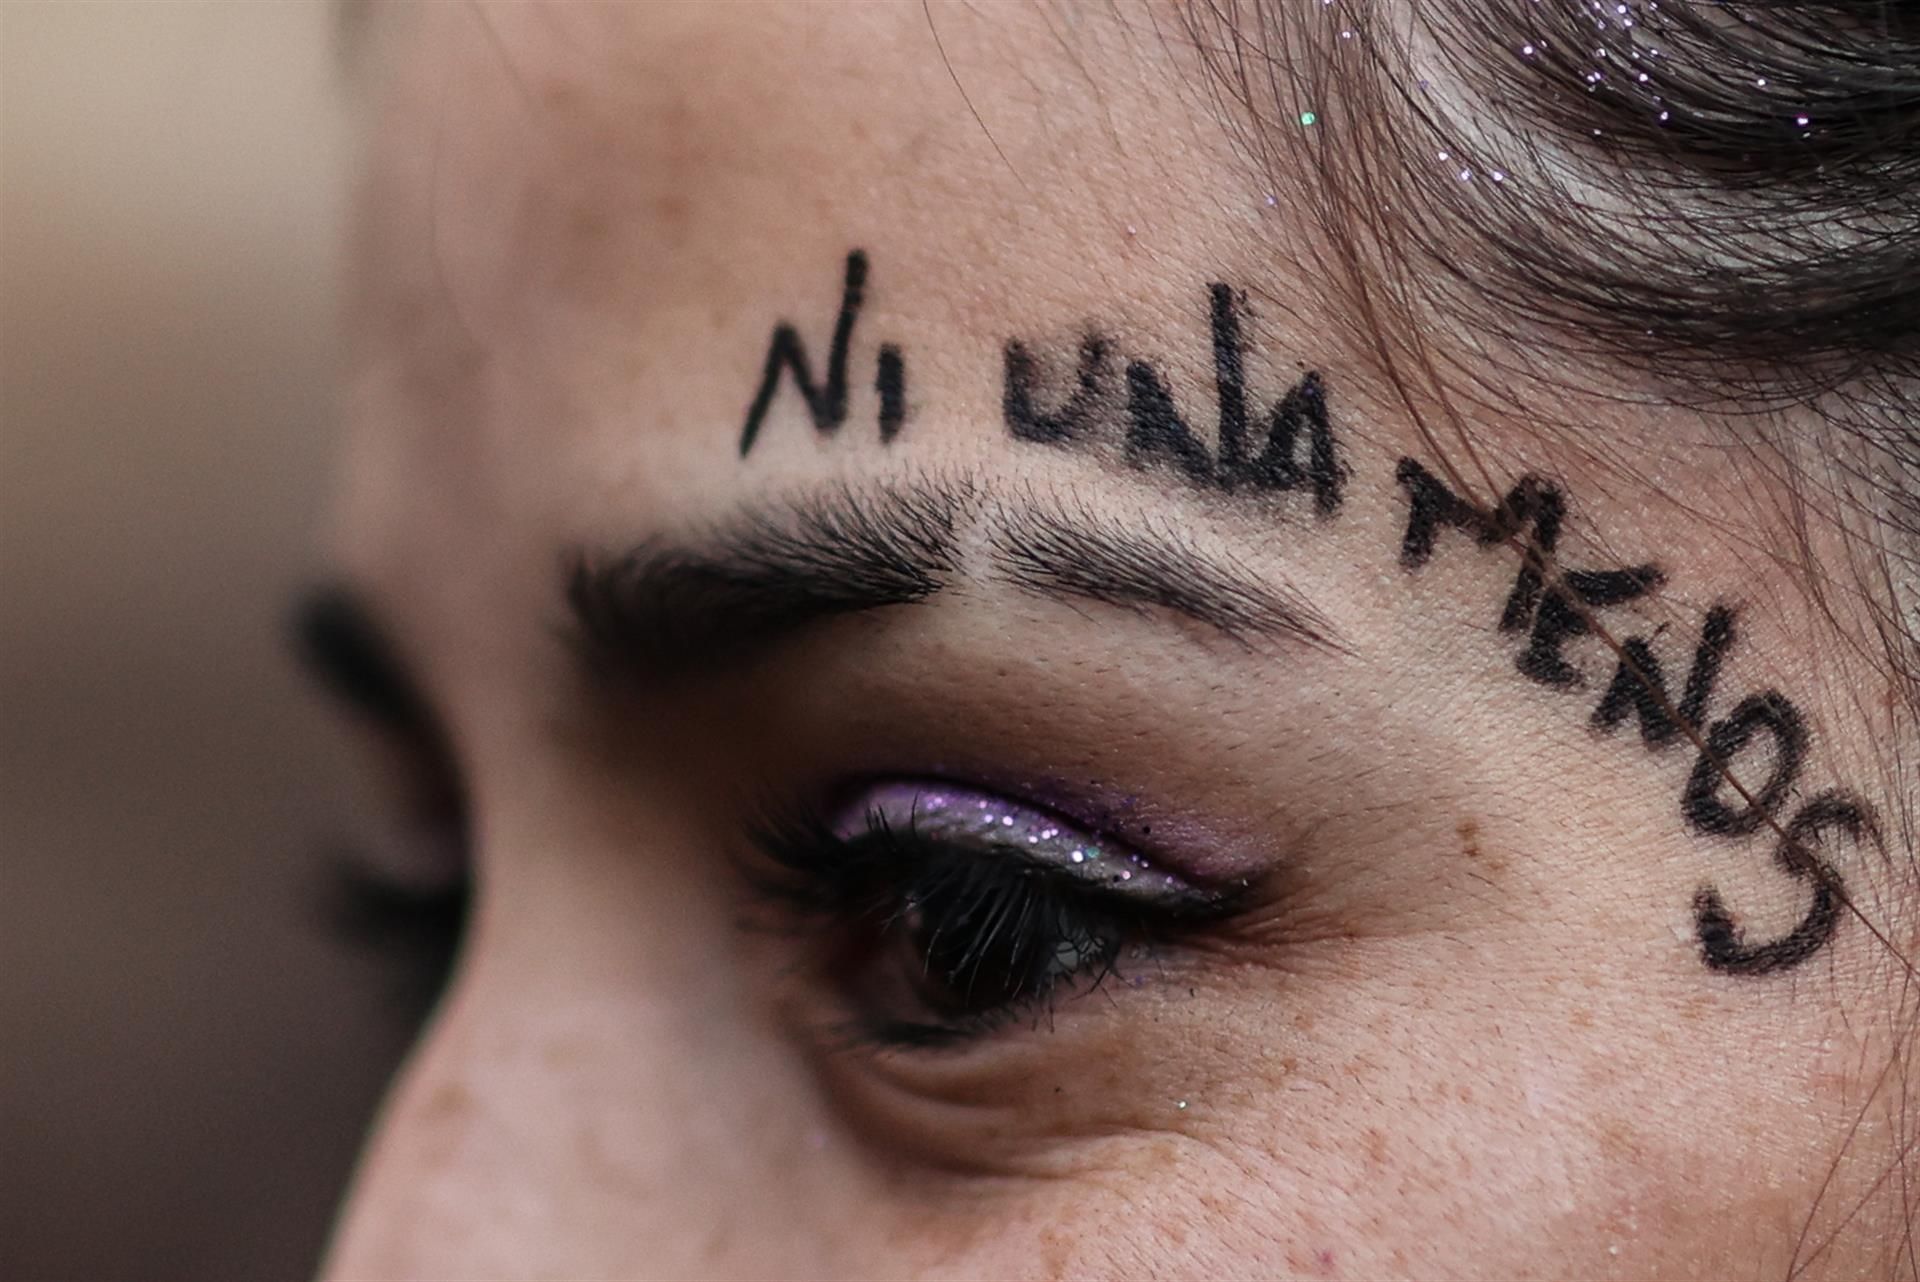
941,911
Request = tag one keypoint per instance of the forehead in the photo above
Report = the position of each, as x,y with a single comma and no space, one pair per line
582,226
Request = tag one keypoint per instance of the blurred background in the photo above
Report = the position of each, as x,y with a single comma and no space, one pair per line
190,1048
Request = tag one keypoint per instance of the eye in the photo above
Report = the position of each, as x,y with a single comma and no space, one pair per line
400,889
943,912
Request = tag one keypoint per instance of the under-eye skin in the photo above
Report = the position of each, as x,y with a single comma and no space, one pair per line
941,913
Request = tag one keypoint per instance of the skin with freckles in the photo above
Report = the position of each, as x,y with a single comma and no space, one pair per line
1515,989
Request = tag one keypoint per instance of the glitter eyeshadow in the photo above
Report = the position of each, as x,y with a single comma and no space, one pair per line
994,825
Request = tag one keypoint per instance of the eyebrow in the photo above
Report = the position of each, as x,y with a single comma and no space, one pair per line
671,607
1143,563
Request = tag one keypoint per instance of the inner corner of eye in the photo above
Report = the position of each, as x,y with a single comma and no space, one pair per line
968,817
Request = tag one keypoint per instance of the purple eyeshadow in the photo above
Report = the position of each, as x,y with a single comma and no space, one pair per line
970,818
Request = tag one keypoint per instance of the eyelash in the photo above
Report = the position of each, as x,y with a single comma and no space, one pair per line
408,906
414,930
973,919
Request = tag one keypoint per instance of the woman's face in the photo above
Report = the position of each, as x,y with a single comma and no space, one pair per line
995,743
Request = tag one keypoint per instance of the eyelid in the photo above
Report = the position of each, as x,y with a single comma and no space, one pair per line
935,868
969,818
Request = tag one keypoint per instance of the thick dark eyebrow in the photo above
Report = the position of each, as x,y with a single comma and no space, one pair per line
667,607
670,607
1143,563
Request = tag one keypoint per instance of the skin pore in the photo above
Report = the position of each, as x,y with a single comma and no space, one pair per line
773,423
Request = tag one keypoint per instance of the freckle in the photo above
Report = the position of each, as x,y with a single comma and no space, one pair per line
1377,1146
585,223
672,210
451,1102
1056,1254
1469,833
1619,1143
1581,1018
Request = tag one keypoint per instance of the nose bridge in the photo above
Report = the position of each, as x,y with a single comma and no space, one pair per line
600,1086
638,1040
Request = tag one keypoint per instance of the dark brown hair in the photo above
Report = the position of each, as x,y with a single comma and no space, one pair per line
1684,203
1723,198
